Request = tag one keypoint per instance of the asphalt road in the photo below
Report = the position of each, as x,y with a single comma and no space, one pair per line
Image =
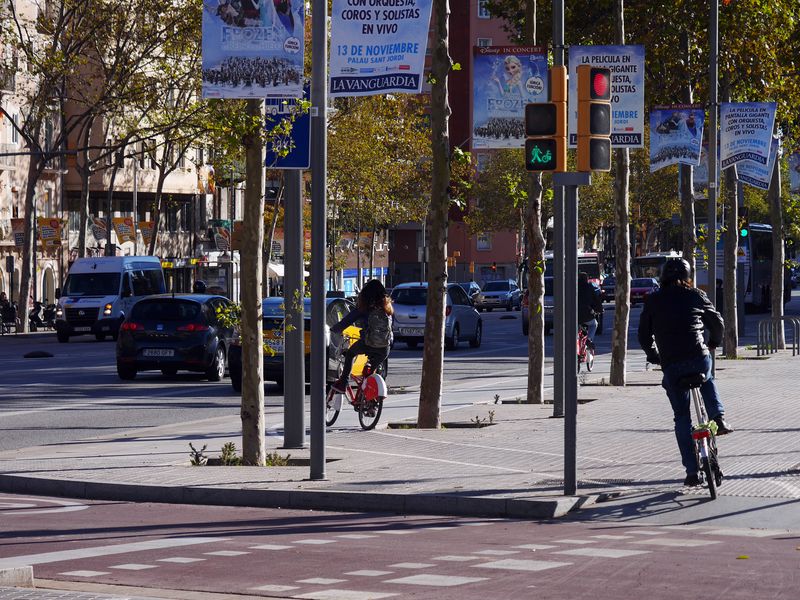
301,554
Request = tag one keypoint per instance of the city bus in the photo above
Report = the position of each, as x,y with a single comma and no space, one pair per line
588,262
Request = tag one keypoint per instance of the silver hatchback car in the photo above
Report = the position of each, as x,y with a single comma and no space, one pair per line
462,321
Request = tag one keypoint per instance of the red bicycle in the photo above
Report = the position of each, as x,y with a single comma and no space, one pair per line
585,348
366,396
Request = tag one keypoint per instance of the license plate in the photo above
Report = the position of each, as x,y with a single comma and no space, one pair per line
83,328
411,331
275,345
158,352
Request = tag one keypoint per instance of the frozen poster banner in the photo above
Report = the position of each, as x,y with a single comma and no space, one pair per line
253,48
378,46
505,79
676,133
745,132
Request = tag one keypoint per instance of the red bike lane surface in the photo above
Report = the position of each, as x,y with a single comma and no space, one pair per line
353,556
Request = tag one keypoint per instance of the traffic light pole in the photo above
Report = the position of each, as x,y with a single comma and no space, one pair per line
713,106
568,357
558,239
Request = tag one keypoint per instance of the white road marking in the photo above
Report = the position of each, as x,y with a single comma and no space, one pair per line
648,532
602,552
226,553
344,595
572,541
314,542
64,555
321,581
275,588
613,537
535,546
757,533
675,542
270,547
368,573
181,560
133,567
85,573
513,564
397,531
10,506
497,552
411,565
356,536
435,580
454,558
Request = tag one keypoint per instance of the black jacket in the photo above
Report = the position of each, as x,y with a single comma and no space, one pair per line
589,303
676,317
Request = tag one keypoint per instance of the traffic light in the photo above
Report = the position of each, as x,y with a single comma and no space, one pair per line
494,266
594,118
546,127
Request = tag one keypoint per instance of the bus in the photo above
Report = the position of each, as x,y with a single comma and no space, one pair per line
588,262
650,265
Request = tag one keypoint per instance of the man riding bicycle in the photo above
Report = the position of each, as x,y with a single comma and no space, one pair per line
589,305
374,312
675,317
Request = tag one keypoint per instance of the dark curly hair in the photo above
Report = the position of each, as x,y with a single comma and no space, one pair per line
373,295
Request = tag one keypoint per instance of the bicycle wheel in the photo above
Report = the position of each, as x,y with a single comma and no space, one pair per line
714,456
332,407
711,478
369,412
589,358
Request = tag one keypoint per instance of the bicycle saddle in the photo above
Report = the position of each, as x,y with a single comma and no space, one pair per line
695,380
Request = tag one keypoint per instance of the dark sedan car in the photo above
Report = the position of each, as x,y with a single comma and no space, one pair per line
171,333
273,325
608,288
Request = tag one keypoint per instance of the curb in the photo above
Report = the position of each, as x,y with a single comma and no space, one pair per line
333,500
17,577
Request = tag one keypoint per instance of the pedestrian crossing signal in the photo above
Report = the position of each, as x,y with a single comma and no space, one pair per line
546,127
594,118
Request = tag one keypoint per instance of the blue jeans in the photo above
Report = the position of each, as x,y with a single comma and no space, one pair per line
592,325
681,403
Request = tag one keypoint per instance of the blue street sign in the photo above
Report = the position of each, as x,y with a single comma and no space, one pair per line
299,156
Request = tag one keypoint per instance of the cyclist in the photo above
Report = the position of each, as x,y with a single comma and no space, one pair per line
373,312
676,316
589,306
199,287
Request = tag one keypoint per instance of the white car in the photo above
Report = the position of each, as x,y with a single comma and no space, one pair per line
462,321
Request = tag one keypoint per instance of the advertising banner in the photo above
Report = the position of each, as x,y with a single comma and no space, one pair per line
758,175
293,150
49,232
253,49
378,46
146,228
794,173
745,132
221,232
124,228
627,91
99,229
18,231
676,133
505,79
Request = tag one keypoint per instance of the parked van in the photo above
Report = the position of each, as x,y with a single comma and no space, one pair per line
100,291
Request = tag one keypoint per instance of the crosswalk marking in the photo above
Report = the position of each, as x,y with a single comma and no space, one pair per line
344,595
602,552
675,542
513,564
435,580
85,573
133,567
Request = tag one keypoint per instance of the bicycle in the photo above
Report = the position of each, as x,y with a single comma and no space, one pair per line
585,348
703,435
366,395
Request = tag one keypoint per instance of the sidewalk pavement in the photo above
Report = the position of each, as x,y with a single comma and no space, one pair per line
512,467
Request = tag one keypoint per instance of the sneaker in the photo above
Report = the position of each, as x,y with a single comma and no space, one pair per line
339,386
692,480
722,425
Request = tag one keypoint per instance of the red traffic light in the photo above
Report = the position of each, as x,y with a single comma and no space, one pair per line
601,84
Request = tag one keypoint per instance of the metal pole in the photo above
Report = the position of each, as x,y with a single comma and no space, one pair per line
319,155
136,206
713,107
294,379
558,241
570,334
35,252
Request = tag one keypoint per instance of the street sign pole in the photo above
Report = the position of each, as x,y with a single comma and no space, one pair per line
569,359
558,239
294,391
713,108
319,155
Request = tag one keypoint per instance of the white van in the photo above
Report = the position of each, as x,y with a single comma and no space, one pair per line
99,292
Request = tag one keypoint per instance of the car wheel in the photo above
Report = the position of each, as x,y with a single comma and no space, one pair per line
525,329
126,372
217,369
63,336
412,344
169,371
452,342
236,380
476,341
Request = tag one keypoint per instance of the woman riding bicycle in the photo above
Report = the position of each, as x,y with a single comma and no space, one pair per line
676,316
374,313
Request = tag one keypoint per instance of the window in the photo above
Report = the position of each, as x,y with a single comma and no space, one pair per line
483,12
484,241
458,296
14,131
170,310
484,42
146,282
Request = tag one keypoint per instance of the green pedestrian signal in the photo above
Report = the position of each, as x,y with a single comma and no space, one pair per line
540,154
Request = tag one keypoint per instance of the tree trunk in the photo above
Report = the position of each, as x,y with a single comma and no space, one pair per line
778,256
359,280
730,245
158,218
85,173
429,415
372,257
622,299
536,242
35,167
688,226
252,411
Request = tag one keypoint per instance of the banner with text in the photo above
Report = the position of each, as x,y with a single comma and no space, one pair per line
378,46
99,229
745,132
49,230
18,231
146,229
124,228
627,91
253,49
221,232
505,79
794,173
676,133
758,175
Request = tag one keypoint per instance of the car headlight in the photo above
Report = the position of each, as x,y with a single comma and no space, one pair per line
107,310
59,311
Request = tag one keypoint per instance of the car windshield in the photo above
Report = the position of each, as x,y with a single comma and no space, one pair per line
91,284
166,310
496,286
465,286
417,296
642,283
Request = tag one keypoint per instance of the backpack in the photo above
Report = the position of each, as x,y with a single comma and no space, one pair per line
379,329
